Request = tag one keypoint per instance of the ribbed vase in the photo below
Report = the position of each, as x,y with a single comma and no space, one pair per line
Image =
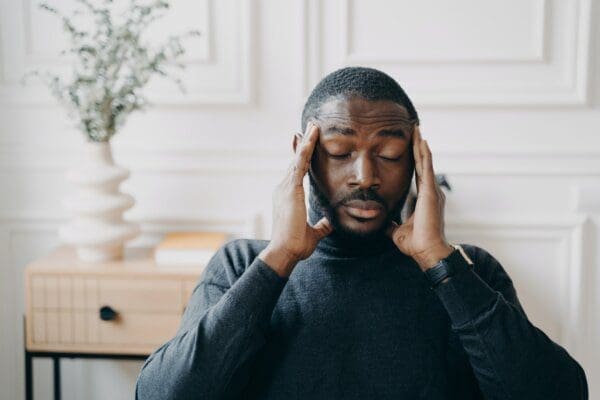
97,229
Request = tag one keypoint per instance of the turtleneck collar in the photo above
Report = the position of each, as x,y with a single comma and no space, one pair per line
338,246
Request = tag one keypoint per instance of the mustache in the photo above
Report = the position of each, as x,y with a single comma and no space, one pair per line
363,195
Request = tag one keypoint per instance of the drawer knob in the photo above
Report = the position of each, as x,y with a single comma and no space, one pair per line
107,313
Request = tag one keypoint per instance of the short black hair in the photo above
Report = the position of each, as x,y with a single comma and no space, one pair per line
368,83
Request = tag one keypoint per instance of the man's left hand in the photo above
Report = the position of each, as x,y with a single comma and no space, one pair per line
422,235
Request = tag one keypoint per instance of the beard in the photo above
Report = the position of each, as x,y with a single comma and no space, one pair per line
319,202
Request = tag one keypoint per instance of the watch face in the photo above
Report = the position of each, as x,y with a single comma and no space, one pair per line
439,272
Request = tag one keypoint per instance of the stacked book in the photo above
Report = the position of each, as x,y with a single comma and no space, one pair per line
188,248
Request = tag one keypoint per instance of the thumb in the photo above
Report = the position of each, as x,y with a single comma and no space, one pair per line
391,229
322,228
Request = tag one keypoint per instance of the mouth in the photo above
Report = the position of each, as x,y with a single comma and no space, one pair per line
364,210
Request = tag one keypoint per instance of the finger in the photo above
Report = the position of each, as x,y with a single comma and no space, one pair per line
303,136
291,170
391,229
302,140
417,156
427,165
289,173
398,232
322,228
304,154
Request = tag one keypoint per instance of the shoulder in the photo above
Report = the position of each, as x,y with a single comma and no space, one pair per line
486,266
231,260
491,271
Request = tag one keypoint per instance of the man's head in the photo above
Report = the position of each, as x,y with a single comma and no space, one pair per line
363,158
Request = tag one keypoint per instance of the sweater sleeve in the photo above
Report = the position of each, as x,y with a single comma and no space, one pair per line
223,327
510,357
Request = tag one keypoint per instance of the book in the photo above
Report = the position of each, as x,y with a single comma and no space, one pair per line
188,248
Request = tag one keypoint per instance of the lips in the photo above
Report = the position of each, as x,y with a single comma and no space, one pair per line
363,209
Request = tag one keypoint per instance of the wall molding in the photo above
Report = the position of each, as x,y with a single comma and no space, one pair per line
575,261
260,161
540,28
233,66
586,198
559,81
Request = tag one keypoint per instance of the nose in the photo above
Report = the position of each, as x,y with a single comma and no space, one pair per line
365,174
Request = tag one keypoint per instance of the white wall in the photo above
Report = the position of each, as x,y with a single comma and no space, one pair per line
508,96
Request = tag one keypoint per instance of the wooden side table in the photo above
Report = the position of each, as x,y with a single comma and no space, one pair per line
122,310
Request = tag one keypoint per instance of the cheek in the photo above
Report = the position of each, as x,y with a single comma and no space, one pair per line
331,178
396,181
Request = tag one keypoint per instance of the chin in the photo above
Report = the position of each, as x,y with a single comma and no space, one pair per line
360,228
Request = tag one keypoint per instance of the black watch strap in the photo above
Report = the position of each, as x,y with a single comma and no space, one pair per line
447,267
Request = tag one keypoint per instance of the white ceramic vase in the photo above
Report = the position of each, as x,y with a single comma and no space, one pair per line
97,229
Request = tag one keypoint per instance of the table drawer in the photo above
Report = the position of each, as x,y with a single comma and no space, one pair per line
134,328
141,295
140,313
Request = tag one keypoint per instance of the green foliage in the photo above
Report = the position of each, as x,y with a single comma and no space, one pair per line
112,63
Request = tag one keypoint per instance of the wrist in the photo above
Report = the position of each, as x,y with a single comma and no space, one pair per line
278,260
427,259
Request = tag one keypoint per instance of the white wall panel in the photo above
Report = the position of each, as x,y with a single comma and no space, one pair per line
460,53
468,31
219,68
544,260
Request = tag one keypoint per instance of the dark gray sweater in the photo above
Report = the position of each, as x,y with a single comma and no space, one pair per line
356,322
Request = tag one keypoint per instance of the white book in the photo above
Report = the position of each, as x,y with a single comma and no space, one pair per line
188,248
183,257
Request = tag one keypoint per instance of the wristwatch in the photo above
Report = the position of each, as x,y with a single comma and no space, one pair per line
445,268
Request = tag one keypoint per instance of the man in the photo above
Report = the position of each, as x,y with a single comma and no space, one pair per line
356,303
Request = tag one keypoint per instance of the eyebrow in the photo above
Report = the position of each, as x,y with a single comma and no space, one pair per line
347,131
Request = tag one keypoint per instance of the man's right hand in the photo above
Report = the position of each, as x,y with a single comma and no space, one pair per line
293,238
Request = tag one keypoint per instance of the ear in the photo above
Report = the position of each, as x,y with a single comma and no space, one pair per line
295,140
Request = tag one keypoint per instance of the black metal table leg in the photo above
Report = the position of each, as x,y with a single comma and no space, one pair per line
56,377
28,376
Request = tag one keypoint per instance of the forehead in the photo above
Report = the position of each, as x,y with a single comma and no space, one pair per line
360,111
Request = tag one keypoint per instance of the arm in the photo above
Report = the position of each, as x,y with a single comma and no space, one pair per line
224,325
511,358
226,321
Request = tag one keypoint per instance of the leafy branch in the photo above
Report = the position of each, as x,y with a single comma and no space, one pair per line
112,64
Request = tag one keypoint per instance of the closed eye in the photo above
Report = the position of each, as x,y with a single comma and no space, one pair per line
339,156
344,156
391,159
